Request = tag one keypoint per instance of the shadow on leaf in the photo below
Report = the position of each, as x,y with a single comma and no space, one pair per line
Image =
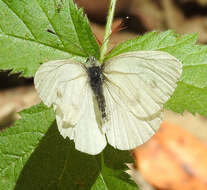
115,163
55,164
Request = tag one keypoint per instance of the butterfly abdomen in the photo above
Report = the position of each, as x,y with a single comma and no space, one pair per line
96,81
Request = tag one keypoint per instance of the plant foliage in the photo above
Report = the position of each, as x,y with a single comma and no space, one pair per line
32,153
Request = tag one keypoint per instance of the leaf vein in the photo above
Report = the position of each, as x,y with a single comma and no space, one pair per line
50,22
104,181
14,162
33,41
24,132
18,16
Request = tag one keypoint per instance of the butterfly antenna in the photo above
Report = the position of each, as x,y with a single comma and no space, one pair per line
98,40
79,47
118,25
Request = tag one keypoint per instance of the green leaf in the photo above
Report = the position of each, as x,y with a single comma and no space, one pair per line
34,155
149,41
25,42
190,98
191,91
112,175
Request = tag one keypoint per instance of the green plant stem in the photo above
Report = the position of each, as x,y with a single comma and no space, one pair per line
108,29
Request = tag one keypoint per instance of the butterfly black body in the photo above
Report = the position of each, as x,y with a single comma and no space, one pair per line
96,79
96,82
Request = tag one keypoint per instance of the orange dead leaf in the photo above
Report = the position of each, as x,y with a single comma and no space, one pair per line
173,160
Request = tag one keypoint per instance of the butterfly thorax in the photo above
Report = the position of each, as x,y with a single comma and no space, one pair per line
95,75
96,81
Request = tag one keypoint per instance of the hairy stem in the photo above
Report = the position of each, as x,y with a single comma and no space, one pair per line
108,29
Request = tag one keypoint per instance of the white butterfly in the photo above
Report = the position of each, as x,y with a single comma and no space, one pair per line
121,100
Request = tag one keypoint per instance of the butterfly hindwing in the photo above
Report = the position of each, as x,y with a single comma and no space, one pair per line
123,129
87,133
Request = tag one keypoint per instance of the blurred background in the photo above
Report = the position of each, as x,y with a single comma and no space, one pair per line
183,16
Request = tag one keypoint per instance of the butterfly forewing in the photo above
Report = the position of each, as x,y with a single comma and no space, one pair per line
144,80
53,76
65,85
136,86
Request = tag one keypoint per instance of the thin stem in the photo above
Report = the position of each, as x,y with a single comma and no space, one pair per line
108,29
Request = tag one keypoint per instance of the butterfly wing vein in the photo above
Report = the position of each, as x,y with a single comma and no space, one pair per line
136,85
